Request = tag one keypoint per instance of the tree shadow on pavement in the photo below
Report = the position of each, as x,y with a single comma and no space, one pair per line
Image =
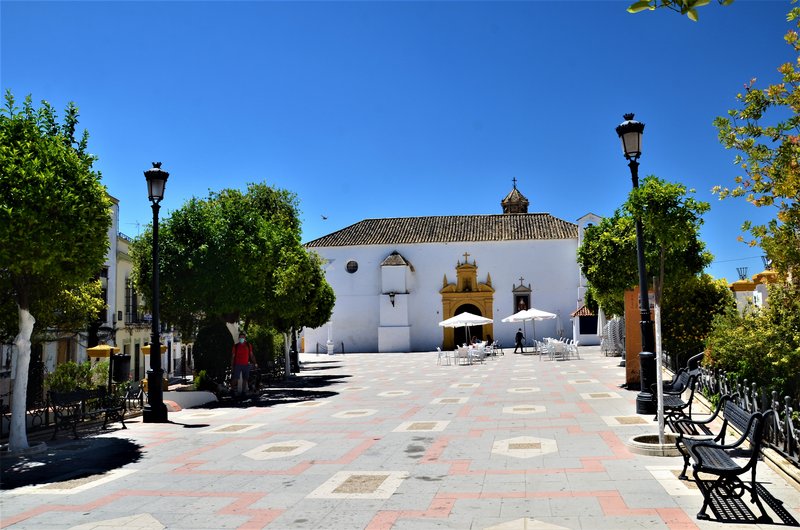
69,462
268,398
292,390
310,381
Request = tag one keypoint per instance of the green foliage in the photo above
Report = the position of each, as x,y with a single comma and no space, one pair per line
684,7
761,346
267,347
99,373
54,218
236,256
688,309
607,258
73,376
671,220
203,382
764,132
212,350
69,376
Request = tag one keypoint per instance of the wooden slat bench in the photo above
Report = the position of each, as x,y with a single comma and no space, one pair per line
74,407
714,458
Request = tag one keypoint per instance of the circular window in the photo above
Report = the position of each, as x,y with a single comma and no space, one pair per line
351,267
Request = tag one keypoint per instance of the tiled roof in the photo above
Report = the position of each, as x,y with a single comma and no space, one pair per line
395,259
514,196
450,229
583,312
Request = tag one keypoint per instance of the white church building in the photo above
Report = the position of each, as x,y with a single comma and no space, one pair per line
395,279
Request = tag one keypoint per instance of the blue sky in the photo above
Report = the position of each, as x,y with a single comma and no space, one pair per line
387,109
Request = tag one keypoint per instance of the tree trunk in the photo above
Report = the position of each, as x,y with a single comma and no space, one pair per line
287,356
659,374
233,329
659,287
18,436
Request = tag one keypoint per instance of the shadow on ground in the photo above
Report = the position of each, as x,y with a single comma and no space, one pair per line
66,460
292,390
733,507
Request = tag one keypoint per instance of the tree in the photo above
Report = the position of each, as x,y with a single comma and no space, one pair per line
54,220
607,258
689,307
67,312
762,345
684,7
236,257
671,220
766,133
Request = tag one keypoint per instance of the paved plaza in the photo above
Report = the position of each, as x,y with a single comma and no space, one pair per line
384,441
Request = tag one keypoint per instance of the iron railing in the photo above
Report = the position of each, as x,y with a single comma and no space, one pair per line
781,435
39,411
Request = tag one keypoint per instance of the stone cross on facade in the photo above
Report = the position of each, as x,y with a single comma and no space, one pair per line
466,256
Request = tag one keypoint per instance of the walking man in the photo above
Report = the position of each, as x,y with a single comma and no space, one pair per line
518,338
241,357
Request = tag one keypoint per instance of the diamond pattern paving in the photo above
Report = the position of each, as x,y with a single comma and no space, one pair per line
351,444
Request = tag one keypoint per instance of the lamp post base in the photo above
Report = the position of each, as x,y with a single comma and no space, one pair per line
644,403
156,413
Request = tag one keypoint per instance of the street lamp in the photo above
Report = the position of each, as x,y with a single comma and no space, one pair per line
630,132
155,411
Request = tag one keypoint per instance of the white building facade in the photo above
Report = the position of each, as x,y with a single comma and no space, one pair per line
396,279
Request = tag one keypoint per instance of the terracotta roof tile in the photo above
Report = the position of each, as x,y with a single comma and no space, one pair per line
449,229
583,312
395,259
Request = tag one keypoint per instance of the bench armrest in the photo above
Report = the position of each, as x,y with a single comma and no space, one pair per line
706,421
756,416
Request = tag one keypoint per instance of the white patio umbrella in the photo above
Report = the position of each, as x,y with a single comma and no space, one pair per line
601,322
465,319
531,314
520,316
559,326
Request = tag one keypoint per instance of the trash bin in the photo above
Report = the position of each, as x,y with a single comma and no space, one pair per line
120,367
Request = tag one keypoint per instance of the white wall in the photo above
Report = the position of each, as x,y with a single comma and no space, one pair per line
549,265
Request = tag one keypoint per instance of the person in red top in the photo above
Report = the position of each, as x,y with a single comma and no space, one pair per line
241,357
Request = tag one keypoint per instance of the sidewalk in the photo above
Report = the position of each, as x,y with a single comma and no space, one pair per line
380,441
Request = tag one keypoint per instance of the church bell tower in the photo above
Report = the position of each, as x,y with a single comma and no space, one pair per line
515,202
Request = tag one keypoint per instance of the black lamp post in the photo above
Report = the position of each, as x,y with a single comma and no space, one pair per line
155,411
630,132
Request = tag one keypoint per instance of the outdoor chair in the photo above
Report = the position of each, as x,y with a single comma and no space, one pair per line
462,356
443,357
475,354
572,349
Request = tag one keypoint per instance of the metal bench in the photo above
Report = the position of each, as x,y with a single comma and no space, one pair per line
717,459
77,406
134,396
691,430
675,406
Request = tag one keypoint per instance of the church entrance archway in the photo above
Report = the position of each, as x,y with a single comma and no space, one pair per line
460,335
467,293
